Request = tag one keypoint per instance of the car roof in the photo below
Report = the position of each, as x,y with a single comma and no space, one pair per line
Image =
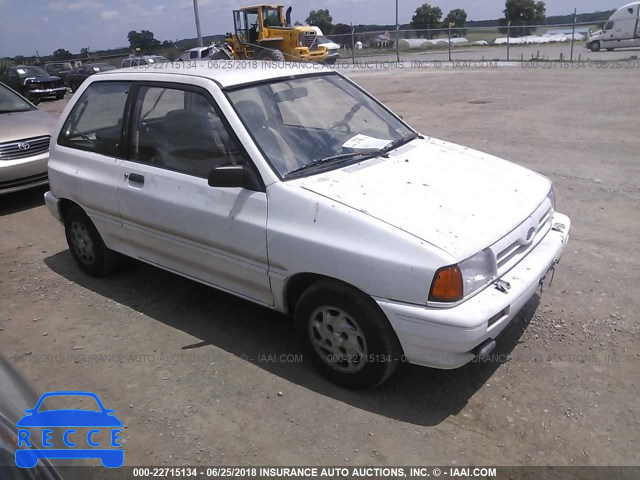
226,73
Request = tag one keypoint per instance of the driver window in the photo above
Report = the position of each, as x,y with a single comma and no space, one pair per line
180,130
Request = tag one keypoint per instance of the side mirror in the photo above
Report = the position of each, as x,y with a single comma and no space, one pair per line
233,176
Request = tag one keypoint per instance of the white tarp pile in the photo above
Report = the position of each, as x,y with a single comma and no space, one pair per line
536,40
424,43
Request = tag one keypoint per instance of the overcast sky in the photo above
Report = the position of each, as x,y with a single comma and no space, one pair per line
46,25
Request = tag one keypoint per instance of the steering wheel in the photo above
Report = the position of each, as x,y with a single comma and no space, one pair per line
334,126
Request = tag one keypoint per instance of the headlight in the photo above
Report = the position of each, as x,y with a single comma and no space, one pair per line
552,197
453,283
478,270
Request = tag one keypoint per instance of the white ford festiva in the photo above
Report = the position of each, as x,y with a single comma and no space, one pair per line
293,188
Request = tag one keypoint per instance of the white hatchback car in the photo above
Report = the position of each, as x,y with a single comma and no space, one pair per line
293,188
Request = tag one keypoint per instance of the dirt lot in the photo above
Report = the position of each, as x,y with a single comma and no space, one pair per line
198,376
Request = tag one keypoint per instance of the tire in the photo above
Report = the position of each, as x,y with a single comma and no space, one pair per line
59,96
270,54
594,47
346,335
86,245
32,98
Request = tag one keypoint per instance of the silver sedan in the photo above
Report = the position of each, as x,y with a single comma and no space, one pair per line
25,132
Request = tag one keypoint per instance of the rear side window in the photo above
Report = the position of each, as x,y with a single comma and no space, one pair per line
193,54
95,123
126,63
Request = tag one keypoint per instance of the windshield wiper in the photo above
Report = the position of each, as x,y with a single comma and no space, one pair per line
401,141
335,158
365,154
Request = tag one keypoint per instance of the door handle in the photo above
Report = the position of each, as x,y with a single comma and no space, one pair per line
135,178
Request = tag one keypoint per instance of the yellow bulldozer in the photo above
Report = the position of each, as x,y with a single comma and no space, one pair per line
264,32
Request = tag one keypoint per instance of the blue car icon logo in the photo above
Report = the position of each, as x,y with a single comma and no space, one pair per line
67,427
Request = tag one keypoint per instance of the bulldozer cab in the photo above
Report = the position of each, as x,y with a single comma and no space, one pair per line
250,22
265,32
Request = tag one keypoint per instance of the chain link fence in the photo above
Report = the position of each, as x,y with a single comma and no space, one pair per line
565,42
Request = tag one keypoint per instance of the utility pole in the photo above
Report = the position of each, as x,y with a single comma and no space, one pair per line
573,31
195,11
508,37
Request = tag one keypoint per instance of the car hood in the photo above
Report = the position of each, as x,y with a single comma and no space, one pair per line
21,125
455,198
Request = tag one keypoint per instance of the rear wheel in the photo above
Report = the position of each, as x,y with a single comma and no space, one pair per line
346,335
270,54
86,245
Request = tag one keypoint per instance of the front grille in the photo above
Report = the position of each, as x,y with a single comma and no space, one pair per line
512,248
24,148
45,85
309,40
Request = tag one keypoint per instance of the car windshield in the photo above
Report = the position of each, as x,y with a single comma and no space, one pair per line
319,120
11,102
29,71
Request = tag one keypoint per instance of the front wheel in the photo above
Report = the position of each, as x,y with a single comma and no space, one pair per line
594,47
270,54
346,335
86,245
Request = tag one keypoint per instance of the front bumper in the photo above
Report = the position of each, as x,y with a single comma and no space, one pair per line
46,92
23,173
445,337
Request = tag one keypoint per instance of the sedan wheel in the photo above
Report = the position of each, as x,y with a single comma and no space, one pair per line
338,339
86,245
346,335
82,243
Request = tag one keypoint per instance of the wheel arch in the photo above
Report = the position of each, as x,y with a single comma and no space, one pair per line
65,205
298,283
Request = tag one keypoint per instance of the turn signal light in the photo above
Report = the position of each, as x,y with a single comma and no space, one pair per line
447,285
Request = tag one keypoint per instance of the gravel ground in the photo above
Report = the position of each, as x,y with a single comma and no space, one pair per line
199,376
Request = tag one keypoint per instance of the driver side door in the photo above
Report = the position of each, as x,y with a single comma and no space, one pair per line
170,214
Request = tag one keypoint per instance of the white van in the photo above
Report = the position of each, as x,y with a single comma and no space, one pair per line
622,30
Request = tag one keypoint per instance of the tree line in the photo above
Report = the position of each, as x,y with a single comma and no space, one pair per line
427,17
